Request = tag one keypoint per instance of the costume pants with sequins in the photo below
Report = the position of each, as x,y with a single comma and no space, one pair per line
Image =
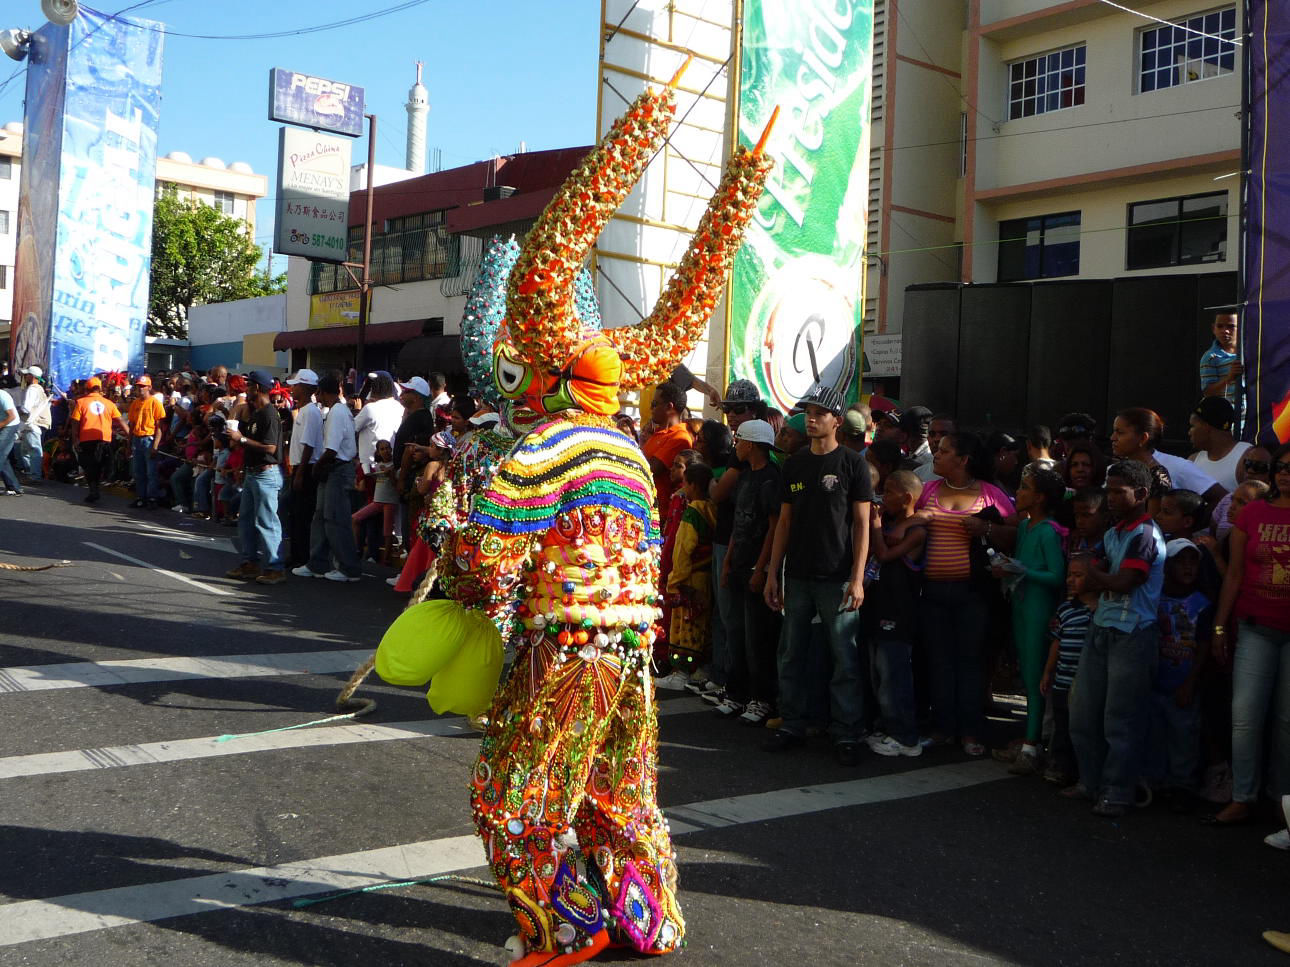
564,799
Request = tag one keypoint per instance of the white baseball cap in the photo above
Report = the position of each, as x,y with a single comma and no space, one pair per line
756,431
418,385
306,377
1178,545
32,371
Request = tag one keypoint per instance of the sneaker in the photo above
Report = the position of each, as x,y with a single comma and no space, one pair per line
973,748
340,577
675,681
783,741
847,753
271,577
137,504
303,572
246,570
179,509
1109,810
713,696
392,582
875,739
890,747
755,714
1278,840
728,708
775,723
1025,764
697,681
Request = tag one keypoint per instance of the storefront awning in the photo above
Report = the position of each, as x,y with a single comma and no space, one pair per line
383,332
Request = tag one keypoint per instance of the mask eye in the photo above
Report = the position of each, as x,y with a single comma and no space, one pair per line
559,398
511,375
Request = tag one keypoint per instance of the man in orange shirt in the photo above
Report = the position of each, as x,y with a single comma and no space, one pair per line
92,419
147,416
670,437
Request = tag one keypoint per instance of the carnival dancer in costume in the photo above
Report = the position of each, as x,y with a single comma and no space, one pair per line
565,543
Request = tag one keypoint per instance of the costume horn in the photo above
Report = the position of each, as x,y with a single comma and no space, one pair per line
652,348
541,322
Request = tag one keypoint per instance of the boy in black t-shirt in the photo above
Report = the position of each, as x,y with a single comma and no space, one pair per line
751,672
822,540
258,522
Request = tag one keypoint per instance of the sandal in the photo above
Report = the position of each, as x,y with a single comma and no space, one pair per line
1213,819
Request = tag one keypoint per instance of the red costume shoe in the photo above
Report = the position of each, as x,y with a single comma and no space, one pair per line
554,958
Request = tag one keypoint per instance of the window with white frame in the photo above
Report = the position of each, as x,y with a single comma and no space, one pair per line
6,169
4,222
1195,48
1049,82
4,276
224,201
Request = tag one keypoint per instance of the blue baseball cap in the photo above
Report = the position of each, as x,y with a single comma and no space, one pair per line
261,378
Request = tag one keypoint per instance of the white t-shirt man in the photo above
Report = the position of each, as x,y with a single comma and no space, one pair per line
1224,471
338,433
36,402
306,430
378,420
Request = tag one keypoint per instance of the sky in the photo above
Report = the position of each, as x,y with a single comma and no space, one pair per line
498,73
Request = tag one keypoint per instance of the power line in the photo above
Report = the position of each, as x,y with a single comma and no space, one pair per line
278,34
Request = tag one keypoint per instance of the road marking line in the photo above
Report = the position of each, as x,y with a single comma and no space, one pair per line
166,534
136,671
161,570
30,920
210,746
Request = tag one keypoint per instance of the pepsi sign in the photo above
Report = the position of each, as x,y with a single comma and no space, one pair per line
315,102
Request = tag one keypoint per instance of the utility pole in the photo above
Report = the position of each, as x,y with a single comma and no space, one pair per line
365,283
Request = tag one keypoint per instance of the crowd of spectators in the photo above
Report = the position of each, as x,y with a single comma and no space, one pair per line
875,573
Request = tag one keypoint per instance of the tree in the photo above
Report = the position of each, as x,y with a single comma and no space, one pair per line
200,256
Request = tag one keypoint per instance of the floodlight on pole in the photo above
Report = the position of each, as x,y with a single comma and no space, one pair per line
61,12
15,43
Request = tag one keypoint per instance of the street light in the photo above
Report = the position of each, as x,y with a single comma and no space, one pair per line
16,42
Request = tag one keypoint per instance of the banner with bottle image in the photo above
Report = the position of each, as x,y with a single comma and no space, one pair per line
85,233
797,304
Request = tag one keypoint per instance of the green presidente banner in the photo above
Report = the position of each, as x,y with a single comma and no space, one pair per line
796,303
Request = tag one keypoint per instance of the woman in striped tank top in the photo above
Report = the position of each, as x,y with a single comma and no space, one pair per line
955,611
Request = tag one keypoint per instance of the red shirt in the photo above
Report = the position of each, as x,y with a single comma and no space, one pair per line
1265,588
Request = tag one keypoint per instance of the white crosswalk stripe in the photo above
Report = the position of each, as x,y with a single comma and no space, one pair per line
30,920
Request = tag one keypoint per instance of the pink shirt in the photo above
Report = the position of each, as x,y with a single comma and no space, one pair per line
1265,588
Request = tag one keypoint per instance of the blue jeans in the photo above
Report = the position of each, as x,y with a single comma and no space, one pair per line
7,437
892,673
181,485
332,533
1110,709
803,600
144,468
202,490
32,451
1174,745
257,517
717,625
1260,682
955,617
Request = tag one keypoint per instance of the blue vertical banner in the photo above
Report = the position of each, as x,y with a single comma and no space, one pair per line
1266,325
95,316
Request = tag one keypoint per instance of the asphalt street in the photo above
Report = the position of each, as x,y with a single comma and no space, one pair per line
152,810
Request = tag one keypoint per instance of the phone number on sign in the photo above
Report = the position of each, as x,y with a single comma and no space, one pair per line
317,239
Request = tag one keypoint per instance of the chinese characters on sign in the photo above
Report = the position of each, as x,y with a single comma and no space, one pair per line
313,195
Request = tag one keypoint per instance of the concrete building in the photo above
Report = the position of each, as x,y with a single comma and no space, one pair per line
1094,138
428,238
10,168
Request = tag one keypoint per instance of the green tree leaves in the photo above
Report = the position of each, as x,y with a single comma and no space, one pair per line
199,256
